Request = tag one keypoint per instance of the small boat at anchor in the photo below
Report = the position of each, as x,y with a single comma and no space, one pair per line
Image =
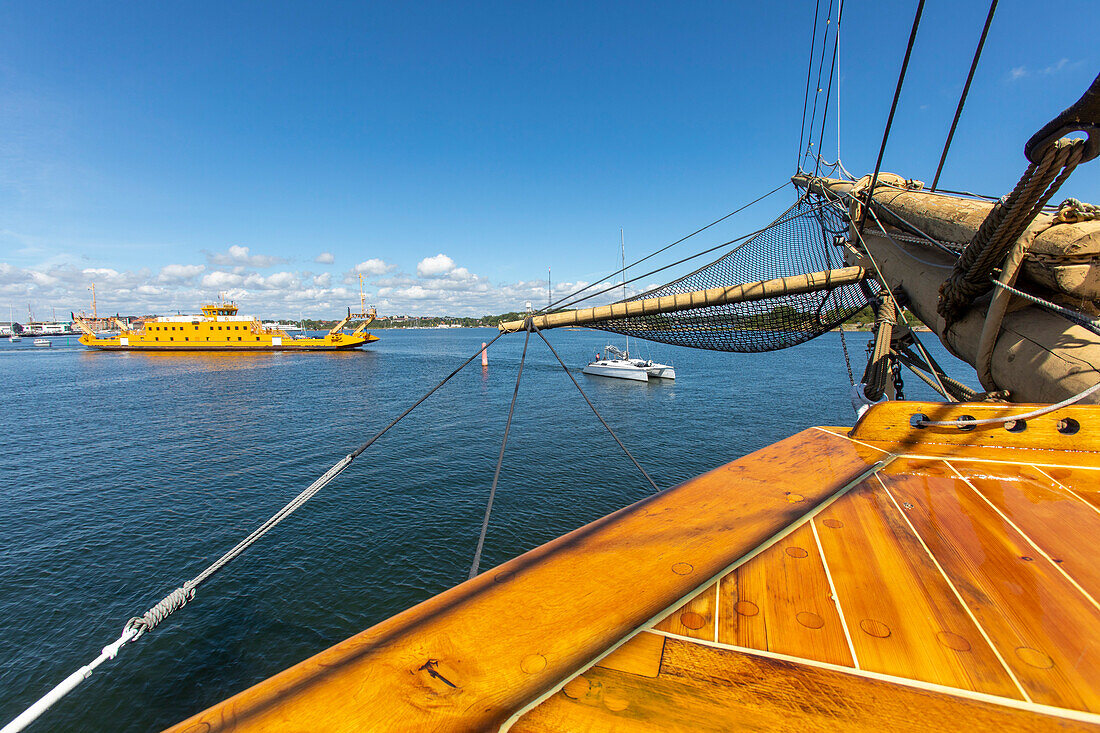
624,367
42,342
621,367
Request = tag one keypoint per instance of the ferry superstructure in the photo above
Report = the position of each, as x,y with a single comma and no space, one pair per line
220,328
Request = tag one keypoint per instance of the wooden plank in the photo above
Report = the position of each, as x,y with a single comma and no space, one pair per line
472,656
888,423
1083,483
1061,524
641,655
902,614
694,619
784,593
1044,629
702,688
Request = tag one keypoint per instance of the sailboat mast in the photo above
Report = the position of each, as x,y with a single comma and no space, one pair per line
622,255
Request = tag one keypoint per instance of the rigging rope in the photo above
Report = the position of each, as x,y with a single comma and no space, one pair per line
622,270
820,64
744,238
797,242
1005,223
500,461
829,90
595,411
893,108
136,627
806,93
965,91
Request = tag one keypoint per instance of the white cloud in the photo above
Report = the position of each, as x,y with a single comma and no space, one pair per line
238,255
1062,64
373,266
180,273
323,280
219,279
433,266
325,258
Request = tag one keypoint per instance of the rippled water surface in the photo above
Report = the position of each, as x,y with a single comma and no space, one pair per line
124,474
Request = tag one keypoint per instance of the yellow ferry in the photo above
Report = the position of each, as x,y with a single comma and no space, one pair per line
219,328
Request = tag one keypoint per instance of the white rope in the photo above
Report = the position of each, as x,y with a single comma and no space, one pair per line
66,685
139,625
923,422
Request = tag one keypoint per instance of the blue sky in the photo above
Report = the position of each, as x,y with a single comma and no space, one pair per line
454,151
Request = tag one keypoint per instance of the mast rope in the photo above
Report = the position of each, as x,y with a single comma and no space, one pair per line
817,85
829,89
965,91
827,194
893,108
137,626
621,271
806,93
500,459
1004,224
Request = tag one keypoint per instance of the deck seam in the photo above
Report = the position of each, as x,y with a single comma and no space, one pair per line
836,596
1026,705
647,625
1066,488
1026,536
970,459
853,440
717,605
958,596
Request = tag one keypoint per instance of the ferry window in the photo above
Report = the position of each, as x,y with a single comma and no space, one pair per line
238,338
171,338
186,338
219,328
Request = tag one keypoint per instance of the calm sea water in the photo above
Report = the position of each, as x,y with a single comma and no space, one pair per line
124,474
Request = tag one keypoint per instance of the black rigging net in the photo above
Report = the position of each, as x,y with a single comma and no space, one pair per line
800,241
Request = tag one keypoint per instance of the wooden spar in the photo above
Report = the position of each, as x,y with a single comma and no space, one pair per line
743,293
1039,356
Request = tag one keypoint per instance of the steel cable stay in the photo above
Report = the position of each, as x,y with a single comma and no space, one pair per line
136,627
743,239
820,65
500,462
621,270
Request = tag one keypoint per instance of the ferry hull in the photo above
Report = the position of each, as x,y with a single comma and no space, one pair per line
115,344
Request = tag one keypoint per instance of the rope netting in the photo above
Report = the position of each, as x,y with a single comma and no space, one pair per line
800,241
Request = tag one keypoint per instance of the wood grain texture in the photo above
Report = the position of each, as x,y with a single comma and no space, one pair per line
888,423
702,688
780,601
1045,630
694,619
448,664
1085,484
1059,523
641,655
902,614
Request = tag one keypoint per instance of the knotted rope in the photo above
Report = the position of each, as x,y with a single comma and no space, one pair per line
180,597
1008,219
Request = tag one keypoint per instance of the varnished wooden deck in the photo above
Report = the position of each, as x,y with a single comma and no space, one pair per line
883,578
